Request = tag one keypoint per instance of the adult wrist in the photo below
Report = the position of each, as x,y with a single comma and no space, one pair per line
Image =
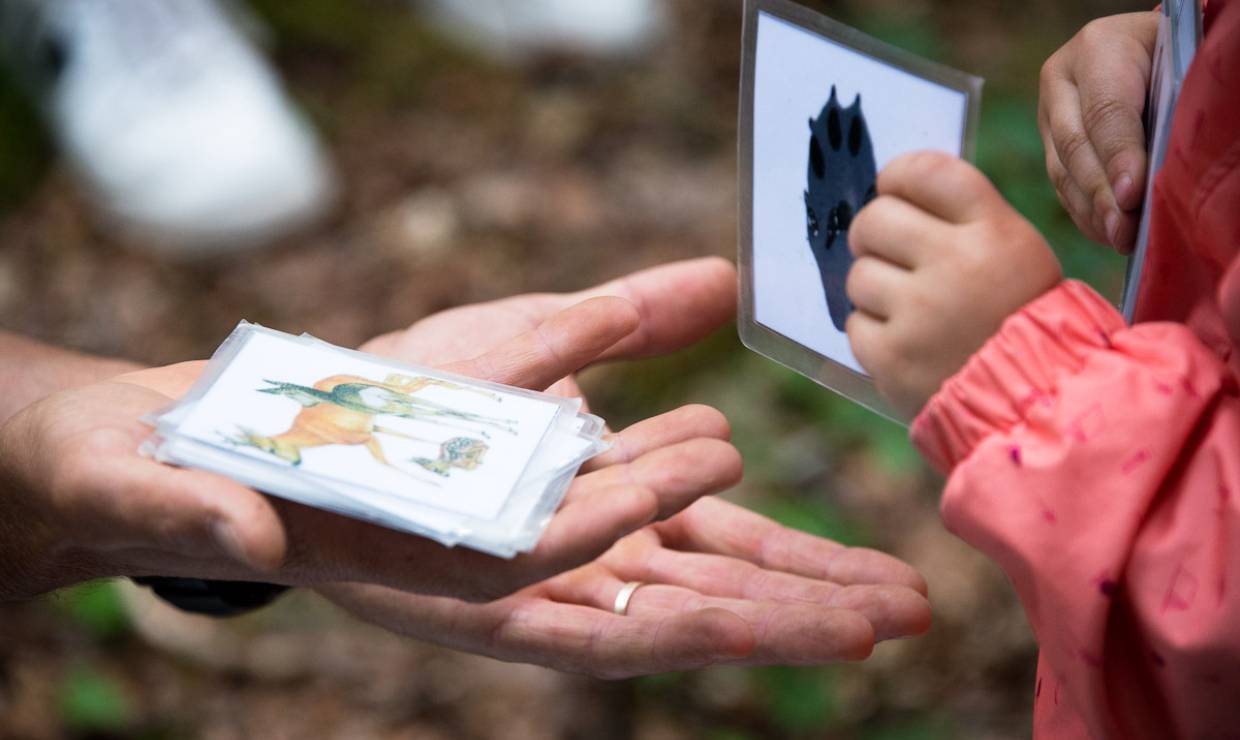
31,370
37,553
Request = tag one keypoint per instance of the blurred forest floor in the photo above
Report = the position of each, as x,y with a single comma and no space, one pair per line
465,181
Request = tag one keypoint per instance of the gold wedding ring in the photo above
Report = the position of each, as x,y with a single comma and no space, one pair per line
625,596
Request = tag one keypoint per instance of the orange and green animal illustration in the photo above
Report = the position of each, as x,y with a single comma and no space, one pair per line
343,410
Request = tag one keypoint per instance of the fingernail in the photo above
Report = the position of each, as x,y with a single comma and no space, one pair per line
229,541
1124,190
1113,228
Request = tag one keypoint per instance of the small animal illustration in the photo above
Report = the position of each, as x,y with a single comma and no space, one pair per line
842,177
464,453
341,410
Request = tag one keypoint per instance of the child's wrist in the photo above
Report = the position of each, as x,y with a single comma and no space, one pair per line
1014,371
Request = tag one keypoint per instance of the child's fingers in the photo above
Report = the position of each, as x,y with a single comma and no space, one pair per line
939,184
865,336
875,285
1076,152
1073,199
892,230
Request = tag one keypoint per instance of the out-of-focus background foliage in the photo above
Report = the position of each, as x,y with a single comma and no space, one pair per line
464,181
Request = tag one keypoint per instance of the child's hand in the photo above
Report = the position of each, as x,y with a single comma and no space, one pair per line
1089,111
942,260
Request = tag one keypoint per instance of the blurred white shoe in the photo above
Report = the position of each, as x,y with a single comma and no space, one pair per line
511,29
173,119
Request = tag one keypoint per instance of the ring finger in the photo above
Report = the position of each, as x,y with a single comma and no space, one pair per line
787,634
893,610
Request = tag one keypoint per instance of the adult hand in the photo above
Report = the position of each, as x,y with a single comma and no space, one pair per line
942,260
77,501
724,584
1093,93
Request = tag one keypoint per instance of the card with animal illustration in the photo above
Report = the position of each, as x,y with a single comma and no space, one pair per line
823,109
450,445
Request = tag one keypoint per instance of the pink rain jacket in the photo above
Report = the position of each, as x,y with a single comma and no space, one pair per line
1099,464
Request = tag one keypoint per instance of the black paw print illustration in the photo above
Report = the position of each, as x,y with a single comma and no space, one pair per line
841,181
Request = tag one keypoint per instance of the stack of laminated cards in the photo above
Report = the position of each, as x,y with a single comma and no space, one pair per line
454,459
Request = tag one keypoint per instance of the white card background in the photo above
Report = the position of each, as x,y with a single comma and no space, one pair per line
233,401
794,72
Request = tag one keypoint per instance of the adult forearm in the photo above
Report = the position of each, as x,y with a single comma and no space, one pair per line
31,370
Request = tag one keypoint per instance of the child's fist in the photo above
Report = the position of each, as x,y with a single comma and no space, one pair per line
942,260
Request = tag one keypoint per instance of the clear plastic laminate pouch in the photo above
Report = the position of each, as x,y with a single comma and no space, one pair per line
823,109
447,457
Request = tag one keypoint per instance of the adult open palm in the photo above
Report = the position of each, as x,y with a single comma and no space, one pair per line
721,584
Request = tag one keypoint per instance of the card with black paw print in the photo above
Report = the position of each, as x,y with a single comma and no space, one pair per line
823,109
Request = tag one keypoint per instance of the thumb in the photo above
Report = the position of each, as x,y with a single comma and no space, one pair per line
558,347
680,303
143,505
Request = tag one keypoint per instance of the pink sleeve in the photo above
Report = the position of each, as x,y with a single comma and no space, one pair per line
1099,465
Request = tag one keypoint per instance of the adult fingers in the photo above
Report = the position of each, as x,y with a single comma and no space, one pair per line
601,510
679,304
678,475
583,639
893,610
559,346
785,633
585,529
567,637
681,425
326,548
718,527
943,186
